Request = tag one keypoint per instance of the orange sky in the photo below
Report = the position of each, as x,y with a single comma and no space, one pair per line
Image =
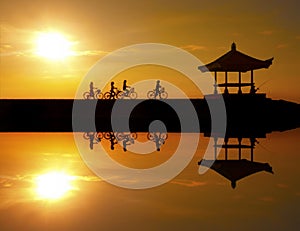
204,28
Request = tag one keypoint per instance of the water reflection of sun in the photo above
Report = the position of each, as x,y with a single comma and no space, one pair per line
53,185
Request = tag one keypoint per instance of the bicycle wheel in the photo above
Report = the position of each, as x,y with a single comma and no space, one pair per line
86,95
164,136
133,135
99,95
120,136
133,95
120,95
164,95
99,135
86,135
106,95
107,135
151,94
150,136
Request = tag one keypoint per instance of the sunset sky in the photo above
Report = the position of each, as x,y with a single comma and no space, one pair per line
262,29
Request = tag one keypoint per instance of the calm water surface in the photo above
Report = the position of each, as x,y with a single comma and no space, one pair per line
30,162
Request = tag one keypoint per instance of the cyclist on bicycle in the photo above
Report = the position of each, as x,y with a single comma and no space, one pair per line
125,88
112,90
157,89
92,95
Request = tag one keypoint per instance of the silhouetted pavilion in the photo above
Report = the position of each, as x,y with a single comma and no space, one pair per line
235,61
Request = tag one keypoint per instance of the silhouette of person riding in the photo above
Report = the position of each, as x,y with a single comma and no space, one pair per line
93,138
125,87
127,92
158,91
112,90
92,90
158,138
93,93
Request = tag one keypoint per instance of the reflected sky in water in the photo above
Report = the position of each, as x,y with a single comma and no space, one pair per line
262,201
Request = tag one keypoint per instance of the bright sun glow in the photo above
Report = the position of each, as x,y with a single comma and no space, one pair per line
53,46
53,185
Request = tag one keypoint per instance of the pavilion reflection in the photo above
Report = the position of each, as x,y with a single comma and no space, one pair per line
235,169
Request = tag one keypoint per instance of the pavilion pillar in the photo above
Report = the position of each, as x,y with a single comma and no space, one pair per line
226,82
252,143
216,84
252,90
240,149
240,83
216,148
226,149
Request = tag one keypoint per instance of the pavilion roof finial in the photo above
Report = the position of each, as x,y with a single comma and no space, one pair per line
233,46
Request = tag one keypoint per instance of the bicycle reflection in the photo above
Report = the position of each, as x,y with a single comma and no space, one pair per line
158,138
113,137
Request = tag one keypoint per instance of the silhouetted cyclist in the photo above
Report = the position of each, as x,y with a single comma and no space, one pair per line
92,95
125,87
157,89
112,90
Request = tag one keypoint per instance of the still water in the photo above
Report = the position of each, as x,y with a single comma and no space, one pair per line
45,185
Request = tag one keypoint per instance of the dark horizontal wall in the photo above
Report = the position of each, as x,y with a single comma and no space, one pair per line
244,114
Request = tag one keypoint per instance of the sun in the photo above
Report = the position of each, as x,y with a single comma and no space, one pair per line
53,45
53,185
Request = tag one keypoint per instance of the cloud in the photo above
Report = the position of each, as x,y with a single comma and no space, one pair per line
281,46
188,183
192,47
267,32
91,53
267,199
282,186
10,181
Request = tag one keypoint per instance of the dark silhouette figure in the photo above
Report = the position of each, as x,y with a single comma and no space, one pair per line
158,138
126,142
93,138
92,95
126,139
157,89
125,88
112,90
113,140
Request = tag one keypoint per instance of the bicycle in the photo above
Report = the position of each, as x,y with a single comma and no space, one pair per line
129,94
109,95
158,138
93,137
97,94
157,135
122,136
126,139
162,94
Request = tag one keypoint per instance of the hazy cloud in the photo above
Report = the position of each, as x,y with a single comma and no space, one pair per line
281,46
267,199
91,53
267,32
188,183
192,47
